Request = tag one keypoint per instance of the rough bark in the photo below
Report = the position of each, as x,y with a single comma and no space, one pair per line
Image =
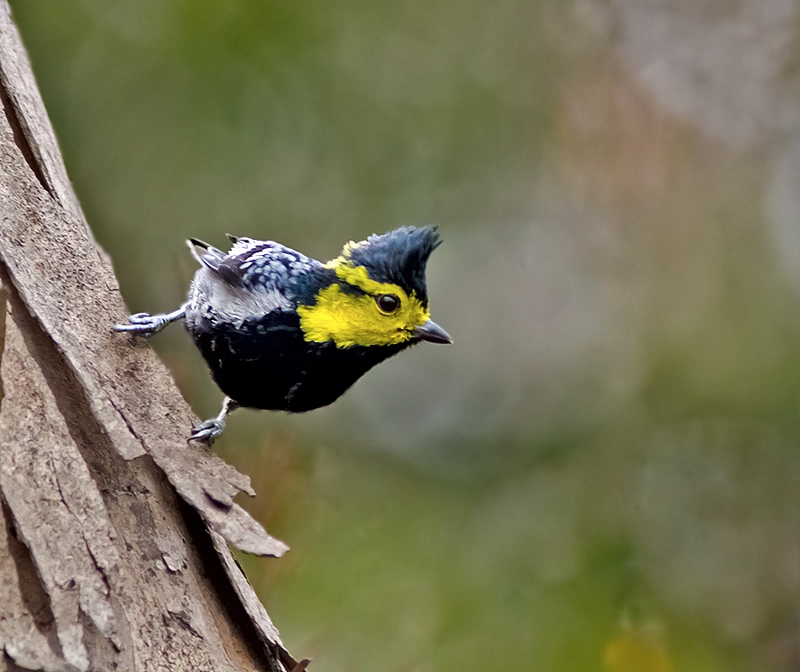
114,531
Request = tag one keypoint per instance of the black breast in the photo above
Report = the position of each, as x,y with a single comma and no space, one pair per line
266,363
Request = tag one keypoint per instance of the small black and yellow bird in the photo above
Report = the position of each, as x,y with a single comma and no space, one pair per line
282,331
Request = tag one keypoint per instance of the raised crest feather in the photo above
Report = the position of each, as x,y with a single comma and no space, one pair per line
398,257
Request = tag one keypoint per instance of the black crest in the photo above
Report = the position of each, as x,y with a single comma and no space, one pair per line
399,257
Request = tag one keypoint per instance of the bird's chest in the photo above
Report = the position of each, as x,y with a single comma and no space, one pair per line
267,363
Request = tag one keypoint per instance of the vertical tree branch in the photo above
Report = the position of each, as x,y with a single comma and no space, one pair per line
114,536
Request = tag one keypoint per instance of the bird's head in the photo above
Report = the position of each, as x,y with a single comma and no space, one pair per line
379,296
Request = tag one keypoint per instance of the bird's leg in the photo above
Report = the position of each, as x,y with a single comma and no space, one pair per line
144,324
207,432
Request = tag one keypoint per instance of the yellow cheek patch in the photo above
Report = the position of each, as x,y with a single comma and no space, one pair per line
349,319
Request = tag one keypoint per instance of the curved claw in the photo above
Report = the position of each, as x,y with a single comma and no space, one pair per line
207,432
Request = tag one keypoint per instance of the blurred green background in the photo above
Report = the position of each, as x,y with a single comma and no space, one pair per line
603,473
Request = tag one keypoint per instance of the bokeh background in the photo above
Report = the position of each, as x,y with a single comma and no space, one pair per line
603,473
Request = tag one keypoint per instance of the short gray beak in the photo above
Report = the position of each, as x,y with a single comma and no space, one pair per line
433,333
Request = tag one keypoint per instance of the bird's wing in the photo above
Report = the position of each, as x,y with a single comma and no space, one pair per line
233,267
254,278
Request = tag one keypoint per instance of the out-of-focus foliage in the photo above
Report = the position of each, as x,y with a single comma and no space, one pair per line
603,473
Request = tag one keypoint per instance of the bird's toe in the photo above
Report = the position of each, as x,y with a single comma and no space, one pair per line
207,432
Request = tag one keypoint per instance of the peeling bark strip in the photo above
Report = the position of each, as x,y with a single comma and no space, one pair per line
102,565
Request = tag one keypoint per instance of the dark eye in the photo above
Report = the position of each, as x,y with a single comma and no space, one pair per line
388,303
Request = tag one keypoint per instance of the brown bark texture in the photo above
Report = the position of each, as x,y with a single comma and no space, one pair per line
114,531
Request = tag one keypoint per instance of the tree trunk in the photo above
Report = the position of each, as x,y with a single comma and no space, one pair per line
114,531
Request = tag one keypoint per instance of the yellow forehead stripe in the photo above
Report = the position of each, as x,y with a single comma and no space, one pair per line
349,319
358,277
348,248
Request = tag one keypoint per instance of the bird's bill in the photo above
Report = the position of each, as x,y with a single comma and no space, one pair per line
433,333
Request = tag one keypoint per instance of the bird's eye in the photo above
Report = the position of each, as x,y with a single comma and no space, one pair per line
388,303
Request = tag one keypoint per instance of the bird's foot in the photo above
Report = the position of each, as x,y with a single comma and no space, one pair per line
207,432
144,324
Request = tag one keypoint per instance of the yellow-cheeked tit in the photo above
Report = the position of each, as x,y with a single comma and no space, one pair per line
282,331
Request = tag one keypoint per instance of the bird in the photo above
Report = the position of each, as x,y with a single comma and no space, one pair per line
282,331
